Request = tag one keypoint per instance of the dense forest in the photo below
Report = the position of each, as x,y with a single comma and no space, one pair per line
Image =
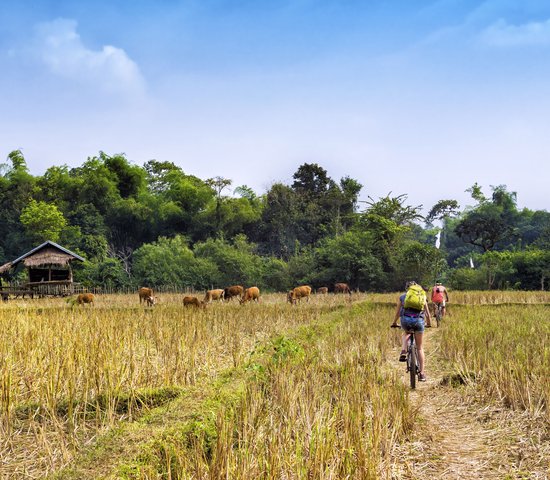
156,225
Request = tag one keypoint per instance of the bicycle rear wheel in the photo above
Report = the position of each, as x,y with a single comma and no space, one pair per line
438,315
412,365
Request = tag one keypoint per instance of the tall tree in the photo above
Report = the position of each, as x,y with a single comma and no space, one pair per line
219,184
483,227
278,228
17,186
130,179
42,221
492,221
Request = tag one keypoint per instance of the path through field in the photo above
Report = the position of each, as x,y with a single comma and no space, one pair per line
458,438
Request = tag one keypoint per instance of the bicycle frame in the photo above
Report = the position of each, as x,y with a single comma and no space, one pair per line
412,360
413,364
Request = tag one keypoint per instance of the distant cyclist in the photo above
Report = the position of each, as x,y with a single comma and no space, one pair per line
412,320
440,296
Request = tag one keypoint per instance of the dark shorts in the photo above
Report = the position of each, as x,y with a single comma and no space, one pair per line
412,324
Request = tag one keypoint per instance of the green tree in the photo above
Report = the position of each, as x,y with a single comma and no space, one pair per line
476,193
218,184
58,187
420,262
388,220
275,275
465,278
498,268
96,184
349,258
442,210
130,179
484,227
531,269
279,227
233,216
42,221
170,261
107,273
16,190
311,180
236,261
181,203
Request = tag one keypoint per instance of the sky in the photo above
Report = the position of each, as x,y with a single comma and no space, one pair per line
422,98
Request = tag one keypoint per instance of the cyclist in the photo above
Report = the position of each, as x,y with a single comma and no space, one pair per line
412,320
440,296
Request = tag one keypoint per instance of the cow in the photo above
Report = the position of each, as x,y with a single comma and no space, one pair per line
234,291
252,293
342,288
298,293
83,298
193,302
213,295
146,295
322,290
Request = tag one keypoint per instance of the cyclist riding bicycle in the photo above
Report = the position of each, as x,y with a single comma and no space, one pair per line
412,320
440,296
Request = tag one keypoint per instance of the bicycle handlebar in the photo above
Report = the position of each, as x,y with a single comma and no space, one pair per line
395,326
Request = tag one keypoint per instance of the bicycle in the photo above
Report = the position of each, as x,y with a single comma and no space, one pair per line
413,368
438,313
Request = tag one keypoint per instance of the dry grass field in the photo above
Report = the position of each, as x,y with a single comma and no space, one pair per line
269,390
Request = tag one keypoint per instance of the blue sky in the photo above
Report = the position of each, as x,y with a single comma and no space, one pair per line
417,97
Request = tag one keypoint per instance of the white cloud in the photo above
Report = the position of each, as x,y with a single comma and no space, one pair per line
60,48
503,34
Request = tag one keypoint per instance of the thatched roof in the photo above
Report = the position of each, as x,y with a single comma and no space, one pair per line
47,254
4,268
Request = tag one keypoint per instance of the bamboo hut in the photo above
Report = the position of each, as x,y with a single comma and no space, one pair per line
49,270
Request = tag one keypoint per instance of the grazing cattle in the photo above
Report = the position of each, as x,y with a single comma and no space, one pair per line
252,293
193,302
85,298
213,295
234,291
298,293
322,290
146,295
342,288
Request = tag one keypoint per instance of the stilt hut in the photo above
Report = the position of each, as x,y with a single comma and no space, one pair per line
49,270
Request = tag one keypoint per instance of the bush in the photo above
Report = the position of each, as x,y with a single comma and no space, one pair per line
170,261
467,279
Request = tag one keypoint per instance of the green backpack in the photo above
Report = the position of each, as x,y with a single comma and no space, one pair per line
415,298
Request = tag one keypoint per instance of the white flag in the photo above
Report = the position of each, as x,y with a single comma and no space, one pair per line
471,262
438,239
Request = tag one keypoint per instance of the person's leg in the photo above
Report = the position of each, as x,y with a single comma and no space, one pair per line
418,339
404,340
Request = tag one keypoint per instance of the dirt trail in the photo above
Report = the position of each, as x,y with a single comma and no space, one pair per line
458,438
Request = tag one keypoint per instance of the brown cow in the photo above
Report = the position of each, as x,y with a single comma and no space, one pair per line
211,295
146,295
234,291
342,288
322,290
85,298
193,302
298,293
252,293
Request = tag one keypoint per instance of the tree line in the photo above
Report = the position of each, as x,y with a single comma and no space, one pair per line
156,225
